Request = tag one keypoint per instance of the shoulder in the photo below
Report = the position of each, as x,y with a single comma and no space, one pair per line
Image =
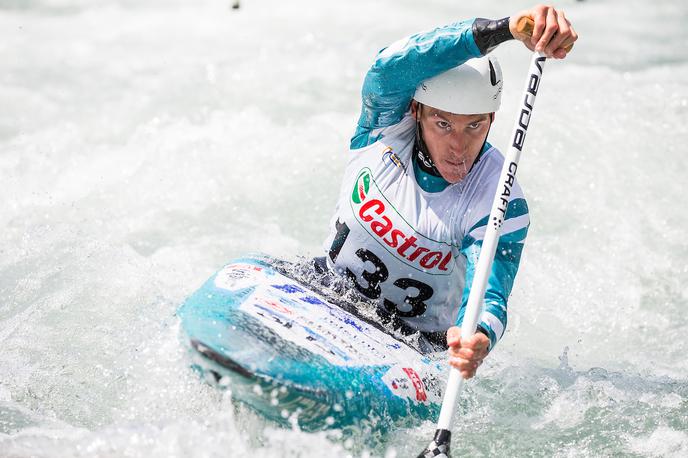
484,177
480,187
400,132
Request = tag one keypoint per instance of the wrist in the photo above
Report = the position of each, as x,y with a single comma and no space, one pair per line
489,33
484,331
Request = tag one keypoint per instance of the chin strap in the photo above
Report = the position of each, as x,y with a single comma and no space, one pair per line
477,158
421,149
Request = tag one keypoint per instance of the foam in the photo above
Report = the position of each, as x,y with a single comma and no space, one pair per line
136,142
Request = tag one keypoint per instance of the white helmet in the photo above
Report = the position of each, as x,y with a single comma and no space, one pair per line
475,87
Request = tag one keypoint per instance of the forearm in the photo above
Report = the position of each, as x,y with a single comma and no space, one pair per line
490,33
493,319
505,265
398,69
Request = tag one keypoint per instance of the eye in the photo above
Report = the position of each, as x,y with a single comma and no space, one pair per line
474,125
444,125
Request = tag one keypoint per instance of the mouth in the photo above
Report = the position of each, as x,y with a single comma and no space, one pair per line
456,164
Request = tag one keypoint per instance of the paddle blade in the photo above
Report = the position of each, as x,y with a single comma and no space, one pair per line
439,447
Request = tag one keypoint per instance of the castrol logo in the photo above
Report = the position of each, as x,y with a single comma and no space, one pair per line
381,220
362,187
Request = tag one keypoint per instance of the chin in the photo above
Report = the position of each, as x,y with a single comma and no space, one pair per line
452,178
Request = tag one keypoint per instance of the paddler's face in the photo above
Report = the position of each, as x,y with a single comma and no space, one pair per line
453,140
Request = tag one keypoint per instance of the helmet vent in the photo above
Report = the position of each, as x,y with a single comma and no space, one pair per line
493,75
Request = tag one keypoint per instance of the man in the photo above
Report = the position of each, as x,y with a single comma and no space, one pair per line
418,189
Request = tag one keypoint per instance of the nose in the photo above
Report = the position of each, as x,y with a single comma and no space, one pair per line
457,144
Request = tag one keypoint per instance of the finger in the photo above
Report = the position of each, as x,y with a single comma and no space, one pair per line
567,43
563,40
471,355
563,33
466,353
559,53
454,351
467,374
476,358
458,363
550,30
539,21
453,336
574,34
565,29
477,342
464,366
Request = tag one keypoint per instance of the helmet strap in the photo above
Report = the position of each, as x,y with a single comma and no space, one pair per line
477,158
420,149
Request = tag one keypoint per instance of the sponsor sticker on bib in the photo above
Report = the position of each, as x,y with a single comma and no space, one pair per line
391,231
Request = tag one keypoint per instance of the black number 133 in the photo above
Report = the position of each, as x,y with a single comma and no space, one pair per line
413,305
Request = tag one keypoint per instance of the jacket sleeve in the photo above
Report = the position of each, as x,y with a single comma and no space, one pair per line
507,257
398,69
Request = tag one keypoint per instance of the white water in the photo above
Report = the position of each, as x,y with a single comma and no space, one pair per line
145,143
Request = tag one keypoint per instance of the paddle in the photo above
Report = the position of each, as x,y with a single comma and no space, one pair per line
439,446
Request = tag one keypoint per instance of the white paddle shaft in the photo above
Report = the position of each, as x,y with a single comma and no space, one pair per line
476,296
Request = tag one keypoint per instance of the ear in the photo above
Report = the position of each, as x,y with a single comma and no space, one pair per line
414,109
